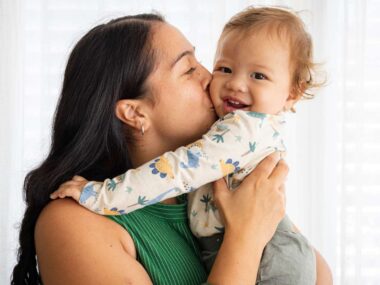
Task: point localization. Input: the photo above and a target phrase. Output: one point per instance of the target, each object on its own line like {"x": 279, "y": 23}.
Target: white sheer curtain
{"x": 333, "y": 188}
{"x": 11, "y": 131}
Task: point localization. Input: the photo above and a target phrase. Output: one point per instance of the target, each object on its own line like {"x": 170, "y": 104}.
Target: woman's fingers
{"x": 282, "y": 191}
{"x": 279, "y": 173}
{"x": 221, "y": 195}
{"x": 266, "y": 166}
{"x": 263, "y": 169}
{"x": 220, "y": 190}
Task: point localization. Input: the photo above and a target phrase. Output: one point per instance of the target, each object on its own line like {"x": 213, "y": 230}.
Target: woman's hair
{"x": 111, "y": 62}
{"x": 286, "y": 25}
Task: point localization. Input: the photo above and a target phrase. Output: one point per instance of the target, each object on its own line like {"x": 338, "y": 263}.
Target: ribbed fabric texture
{"x": 164, "y": 243}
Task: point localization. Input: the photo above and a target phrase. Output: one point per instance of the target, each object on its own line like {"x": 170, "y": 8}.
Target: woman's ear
{"x": 133, "y": 114}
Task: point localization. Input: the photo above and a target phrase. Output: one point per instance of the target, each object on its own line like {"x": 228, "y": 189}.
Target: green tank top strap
{"x": 164, "y": 243}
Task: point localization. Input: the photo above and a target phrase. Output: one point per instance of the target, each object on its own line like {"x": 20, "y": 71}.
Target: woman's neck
{"x": 140, "y": 154}
{"x": 149, "y": 147}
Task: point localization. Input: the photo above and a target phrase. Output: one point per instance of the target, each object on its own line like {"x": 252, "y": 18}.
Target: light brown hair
{"x": 287, "y": 25}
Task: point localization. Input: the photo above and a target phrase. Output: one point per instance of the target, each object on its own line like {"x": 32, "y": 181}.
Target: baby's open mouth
{"x": 229, "y": 105}
{"x": 235, "y": 104}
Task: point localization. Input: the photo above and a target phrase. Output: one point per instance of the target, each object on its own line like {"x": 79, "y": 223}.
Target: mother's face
{"x": 179, "y": 85}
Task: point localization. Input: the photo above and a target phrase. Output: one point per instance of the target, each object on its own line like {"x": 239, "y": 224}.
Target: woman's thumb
{"x": 220, "y": 190}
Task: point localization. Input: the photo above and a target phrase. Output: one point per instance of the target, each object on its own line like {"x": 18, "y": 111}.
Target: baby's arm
{"x": 229, "y": 145}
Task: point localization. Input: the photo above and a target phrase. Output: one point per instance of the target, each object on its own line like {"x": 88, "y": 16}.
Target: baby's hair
{"x": 288, "y": 26}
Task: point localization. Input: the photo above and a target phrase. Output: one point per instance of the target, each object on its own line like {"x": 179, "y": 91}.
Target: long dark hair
{"x": 111, "y": 62}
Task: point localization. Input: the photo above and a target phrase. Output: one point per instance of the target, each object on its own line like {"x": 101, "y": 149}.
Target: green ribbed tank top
{"x": 164, "y": 244}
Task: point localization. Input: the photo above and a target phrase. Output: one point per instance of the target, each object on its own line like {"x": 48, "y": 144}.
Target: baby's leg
{"x": 209, "y": 249}
{"x": 288, "y": 258}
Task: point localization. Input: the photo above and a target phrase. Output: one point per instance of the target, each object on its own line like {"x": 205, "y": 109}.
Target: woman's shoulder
{"x": 69, "y": 238}
{"x": 62, "y": 210}
{"x": 64, "y": 215}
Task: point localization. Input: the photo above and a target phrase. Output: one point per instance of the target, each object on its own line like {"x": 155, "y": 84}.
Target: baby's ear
{"x": 291, "y": 102}
{"x": 294, "y": 96}
{"x": 299, "y": 89}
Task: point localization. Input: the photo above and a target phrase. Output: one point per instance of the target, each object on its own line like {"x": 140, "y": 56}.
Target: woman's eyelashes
{"x": 191, "y": 70}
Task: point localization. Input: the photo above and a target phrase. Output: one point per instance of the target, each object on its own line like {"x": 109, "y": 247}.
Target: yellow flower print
{"x": 161, "y": 166}
{"x": 229, "y": 166}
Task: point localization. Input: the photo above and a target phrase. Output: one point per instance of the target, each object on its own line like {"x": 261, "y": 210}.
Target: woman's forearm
{"x": 237, "y": 261}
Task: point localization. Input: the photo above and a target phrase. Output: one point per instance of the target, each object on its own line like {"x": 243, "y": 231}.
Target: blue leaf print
{"x": 87, "y": 192}
{"x": 193, "y": 159}
{"x": 218, "y": 138}
{"x": 252, "y": 148}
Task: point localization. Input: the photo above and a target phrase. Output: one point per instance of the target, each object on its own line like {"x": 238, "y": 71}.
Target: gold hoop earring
{"x": 142, "y": 128}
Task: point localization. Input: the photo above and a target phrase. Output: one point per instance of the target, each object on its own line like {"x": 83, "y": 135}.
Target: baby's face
{"x": 252, "y": 72}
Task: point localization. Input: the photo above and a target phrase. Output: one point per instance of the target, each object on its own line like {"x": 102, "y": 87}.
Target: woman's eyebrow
{"x": 181, "y": 55}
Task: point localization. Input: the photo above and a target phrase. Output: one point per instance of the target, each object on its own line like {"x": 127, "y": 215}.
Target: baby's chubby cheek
{"x": 216, "y": 99}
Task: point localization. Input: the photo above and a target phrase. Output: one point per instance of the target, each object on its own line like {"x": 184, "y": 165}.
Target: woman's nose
{"x": 237, "y": 84}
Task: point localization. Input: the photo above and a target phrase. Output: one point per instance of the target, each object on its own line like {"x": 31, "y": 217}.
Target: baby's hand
{"x": 72, "y": 188}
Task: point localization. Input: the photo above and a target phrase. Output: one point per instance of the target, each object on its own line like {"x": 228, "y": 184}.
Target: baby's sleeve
{"x": 229, "y": 145}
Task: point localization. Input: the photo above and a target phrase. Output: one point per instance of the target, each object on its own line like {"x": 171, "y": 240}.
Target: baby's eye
{"x": 224, "y": 69}
{"x": 258, "y": 76}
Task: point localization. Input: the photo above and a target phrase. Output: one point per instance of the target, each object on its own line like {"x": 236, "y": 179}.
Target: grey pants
{"x": 288, "y": 258}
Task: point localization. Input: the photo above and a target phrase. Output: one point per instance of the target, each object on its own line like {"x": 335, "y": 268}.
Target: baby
{"x": 263, "y": 66}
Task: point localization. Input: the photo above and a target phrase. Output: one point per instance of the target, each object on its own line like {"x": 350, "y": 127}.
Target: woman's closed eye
{"x": 258, "y": 76}
{"x": 191, "y": 70}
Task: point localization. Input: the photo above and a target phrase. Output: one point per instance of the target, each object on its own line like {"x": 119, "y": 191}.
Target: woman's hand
{"x": 72, "y": 188}
{"x": 258, "y": 205}
{"x": 251, "y": 215}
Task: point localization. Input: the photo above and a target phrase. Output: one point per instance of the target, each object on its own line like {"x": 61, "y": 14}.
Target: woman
{"x": 133, "y": 89}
